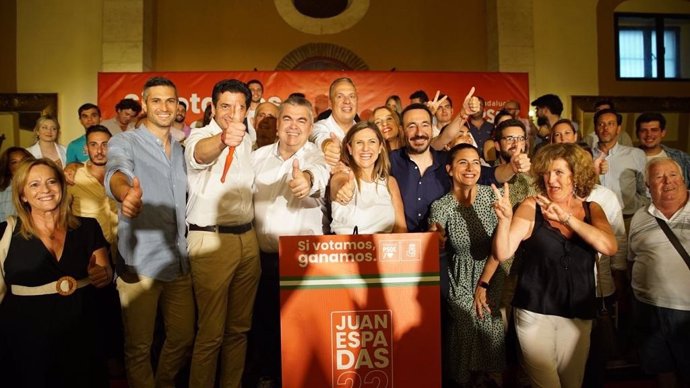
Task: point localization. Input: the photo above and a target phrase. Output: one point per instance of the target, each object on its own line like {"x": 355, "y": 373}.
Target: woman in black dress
{"x": 47, "y": 325}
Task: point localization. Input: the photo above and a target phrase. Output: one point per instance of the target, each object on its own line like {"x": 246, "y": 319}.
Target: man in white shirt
{"x": 625, "y": 164}
{"x": 329, "y": 132}
{"x": 126, "y": 113}
{"x": 661, "y": 277}
{"x": 223, "y": 250}
{"x": 291, "y": 179}
{"x": 257, "y": 90}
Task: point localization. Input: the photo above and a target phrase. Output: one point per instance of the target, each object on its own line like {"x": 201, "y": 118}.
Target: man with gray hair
{"x": 661, "y": 274}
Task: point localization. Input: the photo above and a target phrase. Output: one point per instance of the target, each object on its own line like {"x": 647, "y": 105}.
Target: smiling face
{"x": 563, "y": 133}
{"x": 42, "y": 190}
{"x": 418, "y": 131}
{"x": 444, "y": 113}
{"x": 257, "y": 92}
{"x": 294, "y": 127}
{"x": 344, "y": 102}
{"x": 365, "y": 148}
{"x": 160, "y": 106}
{"x": 230, "y": 106}
{"x": 48, "y": 131}
{"x": 465, "y": 168}
{"x": 512, "y": 142}
{"x": 651, "y": 135}
{"x": 558, "y": 180}
{"x": 666, "y": 184}
{"x": 386, "y": 123}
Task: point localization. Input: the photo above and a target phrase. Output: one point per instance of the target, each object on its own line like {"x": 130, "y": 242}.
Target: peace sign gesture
{"x": 435, "y": 103}
{"x": 502, "y": 206}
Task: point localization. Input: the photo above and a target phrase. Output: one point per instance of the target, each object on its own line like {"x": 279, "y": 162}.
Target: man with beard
{"x": 328, "y": 133}
{"x": 510, "y": 139}
{"x": 420, "y": 170}
{"x": 650, "y": 128}
{"x": 265, "y": 123}
{"x": 180, "y": 130}
{"x": 548, "y": 110}
{"x": 90, "y": 200}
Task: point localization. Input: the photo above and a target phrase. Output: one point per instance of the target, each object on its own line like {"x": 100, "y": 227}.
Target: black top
{"x": 556, "y": 275}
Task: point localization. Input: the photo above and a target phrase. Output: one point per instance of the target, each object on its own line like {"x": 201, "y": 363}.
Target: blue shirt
{"x": 152, "y": 244}
{"x": 418, "y": 192}
{"x": 481, "y": 134}
{"x": 76, "y": 150}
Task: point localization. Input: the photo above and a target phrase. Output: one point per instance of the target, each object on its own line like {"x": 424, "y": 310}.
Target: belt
{"x": 64, "y": 286}
{"x": 238, "y": 229}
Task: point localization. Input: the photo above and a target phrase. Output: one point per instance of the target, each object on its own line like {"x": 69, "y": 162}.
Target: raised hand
{"x": 601, "y": 165}
{"x": 552, "y": 211}
{"x": 502, "y": 206}
{"x": 233, "y": 127}
{"x": 435, "y": 103}
{"x": 520, "y": 162}
{"x": 331, "y": 150}
{"x": 98, "y": 275}
{"x": 70, "y": 171}
{"x": 301, "y": 181}
{"x": 347, "y": 191}
{"x": 131, "y": 203}
{"x": 471, "y": 104}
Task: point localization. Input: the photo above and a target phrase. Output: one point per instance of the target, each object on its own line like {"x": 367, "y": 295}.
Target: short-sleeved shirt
{"x": 76, "y": 150}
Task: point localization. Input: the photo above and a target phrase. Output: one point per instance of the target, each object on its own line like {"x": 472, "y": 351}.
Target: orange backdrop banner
{"x": 373, "y": 87}
{"x": 360, "y": 311}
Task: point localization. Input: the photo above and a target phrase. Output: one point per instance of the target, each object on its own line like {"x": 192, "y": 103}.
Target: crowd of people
{"x": 155, "y": 242}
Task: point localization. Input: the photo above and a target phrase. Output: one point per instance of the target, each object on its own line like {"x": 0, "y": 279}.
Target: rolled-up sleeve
{"x": 119, "y": 159}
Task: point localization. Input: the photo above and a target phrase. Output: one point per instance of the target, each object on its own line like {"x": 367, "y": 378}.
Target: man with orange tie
{"x": 223, "y": 250}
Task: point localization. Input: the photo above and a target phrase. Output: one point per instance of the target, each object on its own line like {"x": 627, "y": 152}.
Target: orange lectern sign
{"x": 360, "y": 311}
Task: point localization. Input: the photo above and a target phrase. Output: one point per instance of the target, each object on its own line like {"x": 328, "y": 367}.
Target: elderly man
{"x": 661, "y": 275}
{"x": 264, "y": 122}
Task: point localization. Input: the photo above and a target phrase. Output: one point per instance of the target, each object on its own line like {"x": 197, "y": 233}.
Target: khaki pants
{"x": 140, "y": 299}
{"x": 225, "y": 272}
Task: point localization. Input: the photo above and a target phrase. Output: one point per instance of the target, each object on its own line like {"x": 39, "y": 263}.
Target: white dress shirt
{"x": 277, "y": 211}
{"x": 323, "y": 128}
{"x": 625, "y": 176}
{"x": 609, "y": 204}
{"x": 211, "y": 202}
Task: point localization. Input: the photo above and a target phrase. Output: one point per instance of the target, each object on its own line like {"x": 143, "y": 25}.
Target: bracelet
{"x": 566, "y": 222}
{"x": 483, "y": 284}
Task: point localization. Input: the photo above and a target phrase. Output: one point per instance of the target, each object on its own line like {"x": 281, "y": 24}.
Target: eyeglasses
{"x": 513, "y": 139}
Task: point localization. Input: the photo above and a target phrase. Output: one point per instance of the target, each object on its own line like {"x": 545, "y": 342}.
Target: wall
{"x": 565, "y": 50}
{"x": 243, "y": 35}
{"x": 59, "y": 50}
{"x": 8, "y": 46}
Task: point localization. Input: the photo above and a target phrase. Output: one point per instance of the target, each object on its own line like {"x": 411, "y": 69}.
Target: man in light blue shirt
{"x": 146, "y": 174}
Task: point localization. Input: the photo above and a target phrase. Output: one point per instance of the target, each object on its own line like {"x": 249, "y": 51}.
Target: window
{"x": 639, "y": 37}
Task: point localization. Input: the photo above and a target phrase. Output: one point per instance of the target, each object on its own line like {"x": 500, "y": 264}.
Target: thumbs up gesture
{"x": 99, "y": 275}
{"x": 601, "y": 165}
{"x": 471, "y": 104}
{"x": 131, "y": 203}
{"x": 331, "y": 150}
{"x": 300, "y": 185}
{"x": 520, "y": 162}
{"x": 347, "y": 190}
{"x": 233, "y": 126}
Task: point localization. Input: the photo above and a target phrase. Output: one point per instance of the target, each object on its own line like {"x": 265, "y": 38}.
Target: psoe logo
{"x": 362, "y": 347}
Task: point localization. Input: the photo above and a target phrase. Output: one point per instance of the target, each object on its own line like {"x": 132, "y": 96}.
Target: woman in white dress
{"x": 366, "y": 197}
{"x": 47, "y": 131}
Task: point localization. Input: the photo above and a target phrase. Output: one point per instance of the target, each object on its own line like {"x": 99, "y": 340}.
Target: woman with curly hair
{"x": 557, "y": 236}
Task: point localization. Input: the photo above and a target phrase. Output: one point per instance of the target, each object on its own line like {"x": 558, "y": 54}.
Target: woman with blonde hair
{"x": 388, "y": 122}
{"x": 366, "y": 197}
{"x": 558, "y": 235}
{"x": 47, "y": 132}
{"x": 48, "y": 325}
